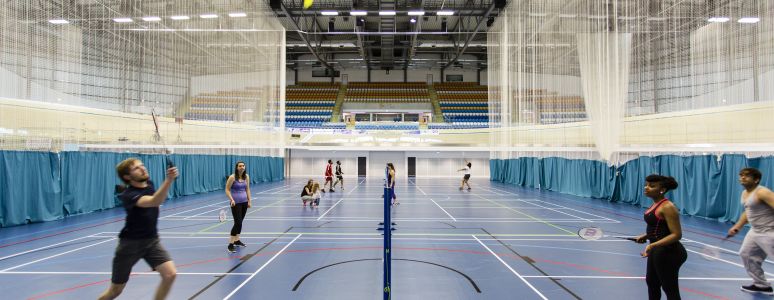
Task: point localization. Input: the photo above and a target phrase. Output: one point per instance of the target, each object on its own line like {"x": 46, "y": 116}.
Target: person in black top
{"x": 665, "y": 253}
{"x": 139, "y": 238}
{"x": 339, "y": 175}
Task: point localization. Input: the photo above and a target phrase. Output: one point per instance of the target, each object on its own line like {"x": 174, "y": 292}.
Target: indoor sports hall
{"x": 393, "y": 149}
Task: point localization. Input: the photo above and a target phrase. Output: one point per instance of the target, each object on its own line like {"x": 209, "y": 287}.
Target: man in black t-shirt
{"x": 139, "y": 238}
{"x": 339, "y": 176}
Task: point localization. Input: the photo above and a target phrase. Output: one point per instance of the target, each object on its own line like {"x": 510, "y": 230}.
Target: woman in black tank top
{"x": 664, "y": 252}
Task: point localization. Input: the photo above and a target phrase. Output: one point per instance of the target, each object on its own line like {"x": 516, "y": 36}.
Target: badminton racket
{"x": 222, "y": 215}
{"x": 596, "y": 233}
{"x": 170, "y": 164}
{"x": 712, "y": 252}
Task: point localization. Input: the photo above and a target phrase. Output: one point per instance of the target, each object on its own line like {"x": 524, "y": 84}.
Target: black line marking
{"x": 448, "y": 224}
{"x": 321, "y": 225}
{"x": 473, "y": 283}
{"x": 243, "y": 260}
{"x": 532, "y": 263}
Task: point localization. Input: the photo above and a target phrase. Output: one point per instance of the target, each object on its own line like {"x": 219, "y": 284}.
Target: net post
{"x": 387, "y": 260}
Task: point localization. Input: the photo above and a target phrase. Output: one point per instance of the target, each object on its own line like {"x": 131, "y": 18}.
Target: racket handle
{"x": 170, "y": 164}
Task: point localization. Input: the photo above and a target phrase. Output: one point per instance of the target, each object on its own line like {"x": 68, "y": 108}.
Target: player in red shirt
{"x": 328, "y": 176}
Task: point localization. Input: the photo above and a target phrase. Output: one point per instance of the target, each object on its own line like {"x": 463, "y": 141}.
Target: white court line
{"x": 447, "y": 213}
{"x": 55, "y": 255}
{"x": 337, "y": 203}
{"x": 420, "y": 189}
{"x": 45, "y": 247}
{"x": 642, "y": 277}
{"x": 185, "y": 211}
{"x": 723, "y": 260}
{"x": 561, "y": 206}
{"x": 108, "y": 273}
{"x": 491, "y": 191}
{"x": 719, "y": 248}
{"x": 279, "y": 187}
{"x": 561, "y": 212}
{"x": 261, "y": 268}
{"x": 199, "y": 214}
{"x": 509, "y": 268}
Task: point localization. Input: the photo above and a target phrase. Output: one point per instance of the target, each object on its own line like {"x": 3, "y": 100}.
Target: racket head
{"x": 222, "y": 215}
{"x": 156, "y": 124}
{"x": 710, "y": 252}
{"x": 590, "y": 233}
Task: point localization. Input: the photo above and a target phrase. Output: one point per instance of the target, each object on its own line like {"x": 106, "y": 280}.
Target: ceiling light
{"x": 151, "y": 19}
{"x": 358, "y": 13}
{"x": 59, "y": 21}
{"x": 567, "y": 15}
{"x": 179, "y": 17}
{"x": 413, "y": 20}
{"x": 123, "y": 20}
{"x": 416, "y": 13}
{"x": 387, "y": 13}
{"x": 208, "y": 16}
{"x": 237, "y": 15}
{"x": 444, "y": 13}
{"x": 329, "y": 13}
{"x": 749, "y": 20}
{"x": 718, "y": 19}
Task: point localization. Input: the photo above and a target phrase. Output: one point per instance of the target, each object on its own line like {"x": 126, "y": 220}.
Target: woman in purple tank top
{"x": 238, "y": 192}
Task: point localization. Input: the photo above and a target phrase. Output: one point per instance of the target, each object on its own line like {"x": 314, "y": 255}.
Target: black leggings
{"x": 239, "y": 211}
{"x": 663, "y": 268}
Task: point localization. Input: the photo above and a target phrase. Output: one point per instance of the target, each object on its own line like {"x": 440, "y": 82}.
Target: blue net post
{"x": 387, "y": 243}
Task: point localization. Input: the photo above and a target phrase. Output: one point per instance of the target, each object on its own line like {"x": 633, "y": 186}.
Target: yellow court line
{"x": 529, "y": 216}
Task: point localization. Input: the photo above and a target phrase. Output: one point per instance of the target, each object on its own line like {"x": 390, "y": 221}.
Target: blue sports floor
{"x": 494, "y": 242}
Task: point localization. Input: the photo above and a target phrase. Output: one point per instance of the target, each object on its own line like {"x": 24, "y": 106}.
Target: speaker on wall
{"x": 500, "y": 3}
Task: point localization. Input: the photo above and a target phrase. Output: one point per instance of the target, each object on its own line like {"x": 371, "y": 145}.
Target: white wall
{"x": 311, "y": 164}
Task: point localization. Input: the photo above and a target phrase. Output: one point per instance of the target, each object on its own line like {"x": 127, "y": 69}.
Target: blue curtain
{"x": 708, "y": 185}
{"x": 34, "y": 191}
{"x": 30, "y": 187}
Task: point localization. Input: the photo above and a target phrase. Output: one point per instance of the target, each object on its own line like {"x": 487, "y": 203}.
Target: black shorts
{"x": 467, "y": 176}
{"x": 339, "y": 177}
{"x": 129, "y": 251}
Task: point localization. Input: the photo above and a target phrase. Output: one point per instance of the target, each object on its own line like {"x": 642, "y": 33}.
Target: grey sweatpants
{"x": 755, "y": 248}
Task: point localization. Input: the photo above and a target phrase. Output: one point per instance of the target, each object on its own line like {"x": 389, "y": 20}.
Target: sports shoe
{"x": 231, "y": 248}
{"x": 239, "y": 243}
{"x": 332, "y": 190}
{"x": 755, "y": 289}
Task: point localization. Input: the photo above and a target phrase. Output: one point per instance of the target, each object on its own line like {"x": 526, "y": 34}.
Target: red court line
{"x": 40, "y": 296}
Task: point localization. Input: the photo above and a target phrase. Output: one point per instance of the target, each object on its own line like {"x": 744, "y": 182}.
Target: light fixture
{"x": 567, "y": 15}
{"x": 59, "y": 21}
{"x": 123, "y": 20}
{"x": 151, "y": 19}
{"x": 387, "y": 13}
{"x": 237, "y": 15}
{"x": 718, "y": 19}
{"x": 749, "y": 20}
{"x": 179, "y": 17}
{"x": 329, "y": 13}
{"x": 416, "y": 13}
{"x": 444, "y": 13}
{"x": 208, "y": 16}
{"x": 358, "y": 13}
{"x": 413, "y": 20}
